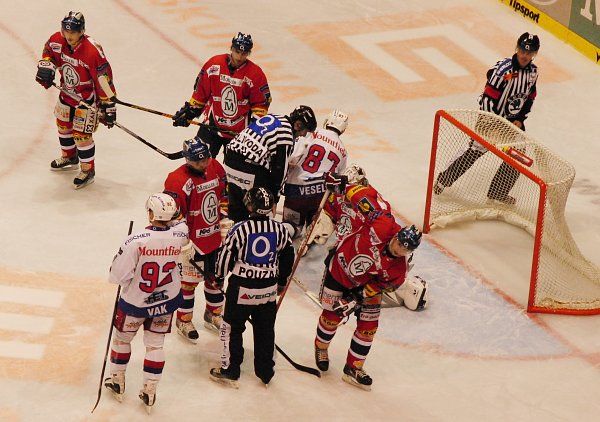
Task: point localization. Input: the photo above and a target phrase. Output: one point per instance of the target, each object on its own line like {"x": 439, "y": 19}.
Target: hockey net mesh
{"x": 562, "y": 279}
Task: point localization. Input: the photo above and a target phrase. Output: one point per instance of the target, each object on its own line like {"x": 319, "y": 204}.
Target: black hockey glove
{"x": 185, "y": 114}
{"x": 45, "y": 73}
{"x": 108, "y": 113}
{"x": 335, "y": 183}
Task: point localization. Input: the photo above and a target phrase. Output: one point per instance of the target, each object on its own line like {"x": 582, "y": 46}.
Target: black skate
{"x": 148, "y": 394}
{"x": 64, "y": 163}
{"x": 357, "y": 377}
{"x": 116, "y": 385}
{"x": 506, "y": 200}
{"x": 222, "y": 376}
{"x": 321, "y": 358}
{"x": 84, "y": 178}
{"x": 187, "y": 330}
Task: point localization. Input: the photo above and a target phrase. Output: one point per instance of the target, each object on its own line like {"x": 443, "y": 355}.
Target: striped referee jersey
{"x": 510, "y": 90}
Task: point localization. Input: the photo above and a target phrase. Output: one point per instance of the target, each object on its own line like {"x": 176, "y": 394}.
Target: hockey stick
{"x": 303, "y": 245}
{"x": 170, "y": 156}
{"x": 170, "y": 116}
{"x": 307, "y": 292}
{"x": 110, "y": 335}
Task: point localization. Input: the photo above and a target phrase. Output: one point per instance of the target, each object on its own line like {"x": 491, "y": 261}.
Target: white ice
{"x": 474, "y": 354}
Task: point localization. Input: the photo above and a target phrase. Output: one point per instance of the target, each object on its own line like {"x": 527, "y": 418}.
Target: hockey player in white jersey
{"x": 314, "y": 154}
{"x": 146, "y": 267}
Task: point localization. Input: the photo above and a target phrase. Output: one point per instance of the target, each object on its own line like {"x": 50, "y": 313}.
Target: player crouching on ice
{"x": 146, "y": 267}
{"x": 371, "y": 260}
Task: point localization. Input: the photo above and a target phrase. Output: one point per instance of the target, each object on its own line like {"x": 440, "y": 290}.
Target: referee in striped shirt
{"x": 259, "y": 155}
{"x": 258, "y": 257}
{"x": 509, "y": 92}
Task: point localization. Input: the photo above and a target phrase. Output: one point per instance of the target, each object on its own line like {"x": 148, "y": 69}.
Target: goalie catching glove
{"x": 45, "y": 73}
{"x": 186, "y": 114}
{"x": 335, "y": 183}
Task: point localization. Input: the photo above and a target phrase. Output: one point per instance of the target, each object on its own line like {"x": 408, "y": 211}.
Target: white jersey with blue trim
{"x": 147, "y": 267}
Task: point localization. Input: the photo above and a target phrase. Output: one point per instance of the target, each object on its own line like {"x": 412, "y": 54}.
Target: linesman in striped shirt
{"x": 258, "y": 257}
{"x": 509, "y": 92}
{"x": 259, "y": 156}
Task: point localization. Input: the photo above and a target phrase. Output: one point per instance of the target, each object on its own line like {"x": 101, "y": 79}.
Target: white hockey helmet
{"x": 337, "y": 120}
{"x": 356, "y": 175}
{"x": 163, "y": 206}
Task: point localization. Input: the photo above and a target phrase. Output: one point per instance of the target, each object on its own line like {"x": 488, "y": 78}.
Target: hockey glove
{"x": 335, "y": 183}
{"x": 45, "y": 73}
{"x": 108, "y": 113}
{"x": 185, "y": 114}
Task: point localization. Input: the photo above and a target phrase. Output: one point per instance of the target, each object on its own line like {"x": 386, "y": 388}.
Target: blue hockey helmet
{"x": 410, "y": 237}
{"x": 73, "y": 21}
{"x": 195, "y": 149}
{"x": 529, "y": 42}
{"x": 242, "y": 42}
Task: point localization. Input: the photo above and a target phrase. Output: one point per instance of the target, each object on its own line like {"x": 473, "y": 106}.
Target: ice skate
{"x": 148, "y": 394}
{"x": 212, "y": 321}
{"x": 187, "y": 330}
{"x": 321, "y": 358}
{"x": 84, "y": 178}
{"x": 221, "y": 375}
{"x": 64, "y": 163}
{"x": 116, "y": 384}
{"x": 357, "y": 377}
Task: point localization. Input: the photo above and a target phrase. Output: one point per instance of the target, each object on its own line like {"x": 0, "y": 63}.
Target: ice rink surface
{"x": 474, "y": 354}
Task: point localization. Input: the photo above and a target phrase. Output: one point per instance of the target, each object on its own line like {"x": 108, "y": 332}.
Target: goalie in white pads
{"x": 314, "y": 154}
{"x": 146, "y": 267}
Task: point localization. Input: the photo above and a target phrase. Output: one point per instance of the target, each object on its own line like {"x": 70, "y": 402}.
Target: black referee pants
{"x": 262, "y": 318}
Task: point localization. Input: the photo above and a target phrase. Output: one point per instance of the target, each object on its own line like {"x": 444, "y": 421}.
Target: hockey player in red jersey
{"x": 371, "y": 260}
{"x": 146, "y": 269}
{"x": 84, "y": 71}
{"x": 198, "y": 186}
{"x": 230, "y": 90}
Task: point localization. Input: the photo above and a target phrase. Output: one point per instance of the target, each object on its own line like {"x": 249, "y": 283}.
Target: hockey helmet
{"x": 242, "y": 42}
{"x": 337, "y": 120}
{"x": 74, "y": 21}
{"x": 409, "y": 237}
{"x": 306, "y": 116}
{"x": 195, "y": 149}
{"x": 259, "y": 201}
{"x": 356, "y": 175}
{"x": 529, "y": 42}
{"x": 163, "y": 206}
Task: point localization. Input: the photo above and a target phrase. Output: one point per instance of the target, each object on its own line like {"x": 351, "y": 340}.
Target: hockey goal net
{"x": 484, "y": 167}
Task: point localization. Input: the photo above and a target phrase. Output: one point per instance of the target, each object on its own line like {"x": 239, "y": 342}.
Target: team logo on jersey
{"x": 210, "y": 207}
{"x": 229, "y": 103}
{"x": 359, "y": 265}
{"x": 213, "y": 70}
{"x": 515, "y": 103}
{"x": 189, "y": 185}
{"x": 56, "y": 47}
{"x": 344, "y": 226}
{"x": 70, "y": 76}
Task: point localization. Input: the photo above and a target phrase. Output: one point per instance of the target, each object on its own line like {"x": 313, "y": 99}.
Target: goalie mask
{"x": 163, "y": 206}
{"x": 356, "y": 175}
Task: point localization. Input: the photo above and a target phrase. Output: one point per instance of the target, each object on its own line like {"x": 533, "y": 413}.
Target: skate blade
{"x": 227, "y": 382}
{"x": 210, "y": 327}
{"x": 352, "y": 381}
{"x": 193, "y": 341}
{"x": 117, "y": 396}
{"x": 66, "y": 168}
{"x": 148, "y": 409}
{"x": 83, "y": 185}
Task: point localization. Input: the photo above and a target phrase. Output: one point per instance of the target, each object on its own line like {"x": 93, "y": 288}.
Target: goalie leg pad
{"x": 413, "y": 293}
{"x": 322, "y": 230}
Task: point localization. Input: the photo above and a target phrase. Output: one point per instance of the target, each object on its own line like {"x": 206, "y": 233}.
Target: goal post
{"x": 484, "y": 167}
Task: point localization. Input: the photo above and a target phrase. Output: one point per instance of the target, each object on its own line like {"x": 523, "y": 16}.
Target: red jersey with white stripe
{"x": 351, "y": 210}
{"x": 362, "y": 258}
{"x": 146, "y": 267}
{"x": 79, "y": 67}
{"x": 198, "y": 197}
{"x": 232, "y": 95}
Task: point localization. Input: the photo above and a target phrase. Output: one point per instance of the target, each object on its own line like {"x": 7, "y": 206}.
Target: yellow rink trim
{"x": 562, "y": 32}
